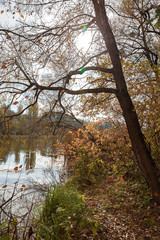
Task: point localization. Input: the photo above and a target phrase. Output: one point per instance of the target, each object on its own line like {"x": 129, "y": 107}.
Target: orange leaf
{"x": 3, "y": 67}
{"x": 156, "y": 194}
{"x": 21, "y": 189}
{"x": 15, "y": 103}
{"x": 121, "y": 179}
{"x": 20, "y": 166}
{"x": 58, "y": 61}
{"x": 19, "y": 10}
{"x": 47, "y": 51}
{"x": 22, "y": 16}
{"x": 4, "y": 186}
{"x": 26, "y": 189}
{"x": 68, "y": 37}
{"x": 17, "y": 75}
{"x": 16, "y": 168}
{"x": 61, "y": 57}
{"x": 15, "y": 182}
{"x": 2, "y": 11}
{"x": 18, "y": 92}
{"x": 23, "y": 185}
{"x": 62, "y": 91}
{"x": 54, "y": 51}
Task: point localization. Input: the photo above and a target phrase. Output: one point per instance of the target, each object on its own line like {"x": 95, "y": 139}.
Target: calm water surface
{"x": 38, "y": 167}
{"x": 34, "y": 157}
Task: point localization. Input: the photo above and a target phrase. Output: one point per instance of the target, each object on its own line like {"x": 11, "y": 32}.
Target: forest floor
{"x": 123, "y": 211}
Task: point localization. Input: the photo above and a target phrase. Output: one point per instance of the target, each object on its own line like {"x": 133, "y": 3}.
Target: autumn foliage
{"x": 93, "y": 153}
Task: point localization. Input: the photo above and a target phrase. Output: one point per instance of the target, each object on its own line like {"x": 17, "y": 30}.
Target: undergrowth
{"x": 64, "y": 215}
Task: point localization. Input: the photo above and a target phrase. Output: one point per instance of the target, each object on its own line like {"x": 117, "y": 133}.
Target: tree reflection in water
{"x": 15, "y": 146}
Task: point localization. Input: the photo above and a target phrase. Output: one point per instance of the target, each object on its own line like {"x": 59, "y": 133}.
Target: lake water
{"x": 32, "y": 158}
{"x": 28, "y": 166}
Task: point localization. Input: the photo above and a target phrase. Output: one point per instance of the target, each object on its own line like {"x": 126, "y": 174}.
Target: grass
{"x": 64, "y": 215}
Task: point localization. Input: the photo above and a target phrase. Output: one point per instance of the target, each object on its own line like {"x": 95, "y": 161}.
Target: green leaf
{"x": 83, "y": 70}
{"x": 4, "y": 225}
{"x": 151, "y": 20}
{"x": 157, "y": 11}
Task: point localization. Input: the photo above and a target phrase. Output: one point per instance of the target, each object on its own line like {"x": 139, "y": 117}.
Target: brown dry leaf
{"x": 3, "y": 67}
{"x": 15, "y": 103}
{"x": 8, "y": 37}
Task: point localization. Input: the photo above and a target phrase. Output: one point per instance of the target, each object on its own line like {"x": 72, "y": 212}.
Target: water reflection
{"x": 29, "y": 147}
{"x": 34, "y": 154}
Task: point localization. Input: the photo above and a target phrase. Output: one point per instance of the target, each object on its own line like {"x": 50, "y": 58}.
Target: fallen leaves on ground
{"x": 122, "y": 214}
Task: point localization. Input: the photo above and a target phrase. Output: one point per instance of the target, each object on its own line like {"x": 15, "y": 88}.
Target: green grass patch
{"x": 64, "y": 215}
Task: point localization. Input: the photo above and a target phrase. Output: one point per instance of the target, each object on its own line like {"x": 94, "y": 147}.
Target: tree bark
{"x": 141, "y": 151}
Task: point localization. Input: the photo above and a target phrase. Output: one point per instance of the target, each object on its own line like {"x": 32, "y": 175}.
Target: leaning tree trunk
{"x": 141, "y": 151}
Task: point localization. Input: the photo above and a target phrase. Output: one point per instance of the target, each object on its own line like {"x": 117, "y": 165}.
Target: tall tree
{"x": 48, "y": 43}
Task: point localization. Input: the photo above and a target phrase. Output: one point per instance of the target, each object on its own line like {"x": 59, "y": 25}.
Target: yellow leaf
{"x": 74, "y": 79}
{"x": 2, "y": 11}
{"x": 68, "y": 37}
{"x": 22, "y": 16}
